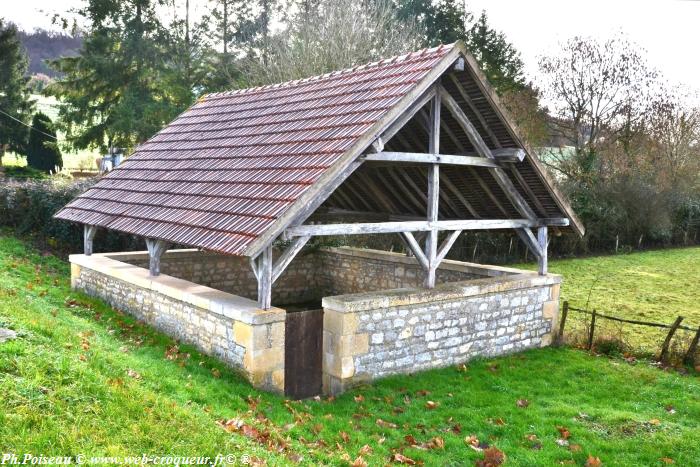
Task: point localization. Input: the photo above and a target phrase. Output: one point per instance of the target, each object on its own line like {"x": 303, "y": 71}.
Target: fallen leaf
{"x": 666, "y": 460}
{"x": 216, "y": 373}
{"x": 522, "y": 403}
{"x": 531, "y": 437}
{"x": 133, "y": 374}
{"x": 593, "y": 461}
{"x": 385, "y": 424}
{"x": 492, "y": 457}
{"x": 366, "y": 449}
{"x": 670, "y": 409}
{"x": 359, "y": 398}
{"x": 498, "y": 421}
{"x": 359, "y": 462}
{"x": 655, "y": 422}
{"x": 575, "y": 448}
{"x": 565, "y": 433}
{"x": 401, "y": 459}
{"x": 345, "y": 437}
{"x": 411, "y": 440}
{"x": 562, "y": 442}
{"x": 430, "y": 405}
{"x": 437, "y": 443}
{"x": 422, "y": 392}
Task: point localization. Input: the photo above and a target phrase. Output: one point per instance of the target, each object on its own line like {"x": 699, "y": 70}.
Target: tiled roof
{"x": 222, "y": 172}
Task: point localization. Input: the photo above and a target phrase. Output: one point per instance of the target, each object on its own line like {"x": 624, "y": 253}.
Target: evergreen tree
{"x": 42, "y": 150}
{"x": 116, "y": 93}
{"x": 498, "y": 58}
{"x": 15, "y": 105}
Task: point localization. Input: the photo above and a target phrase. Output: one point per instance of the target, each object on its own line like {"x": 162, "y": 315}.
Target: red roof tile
{"x": 222, "y": 172}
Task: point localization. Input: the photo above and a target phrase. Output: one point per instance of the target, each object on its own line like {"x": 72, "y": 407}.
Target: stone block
{"x": 243, "y": 334}
{"x": 340, "y": 323}
{"x": 550, "y": 309}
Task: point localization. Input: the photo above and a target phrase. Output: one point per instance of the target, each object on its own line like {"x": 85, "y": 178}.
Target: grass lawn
{"x": 86, "y": 379}
{"x": 653, "y": 286}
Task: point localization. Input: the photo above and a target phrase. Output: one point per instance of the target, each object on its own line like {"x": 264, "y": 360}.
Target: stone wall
{"x": 371, "y": 335}
{"x": 355, "y": 270}
{"x": 233, "y": 274}
{"x": 228, "y": 327}
{"x": 312, "y": 274}
{"x": 392, "y": 326}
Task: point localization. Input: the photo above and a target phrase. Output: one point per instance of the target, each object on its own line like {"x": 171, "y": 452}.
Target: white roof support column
{"x": 264, "y": 275}
{"x": 433, "y": 192}
{"x": 543, "y": 241}
{"x": 89, "y": 232}
{"x": 156, "y": 248}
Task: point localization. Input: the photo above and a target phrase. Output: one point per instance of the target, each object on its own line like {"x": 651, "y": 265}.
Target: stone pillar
{"x": 550, "y": 311}
{"x": 263, "y": 361}
{"x": 341, "y": 343}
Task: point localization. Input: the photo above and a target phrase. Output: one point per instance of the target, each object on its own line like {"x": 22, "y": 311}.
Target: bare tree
{"x": 598, "y": 92}
{"x": 332, "y": 35}
{"x": 673, "y": 126}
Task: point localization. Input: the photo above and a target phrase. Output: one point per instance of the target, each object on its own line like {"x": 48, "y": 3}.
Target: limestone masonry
{"x": 377, "y": 320}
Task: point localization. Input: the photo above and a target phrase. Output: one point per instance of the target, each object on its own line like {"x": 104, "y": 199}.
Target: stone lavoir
{"x": 380, "y": 323}
{"x": 232, "y": 196}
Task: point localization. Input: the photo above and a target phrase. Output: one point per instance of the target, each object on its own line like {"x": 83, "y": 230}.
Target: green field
{"x": 72, "y": 160}
{"x": 652, "y": 286}
{"x": 86, "y": 379}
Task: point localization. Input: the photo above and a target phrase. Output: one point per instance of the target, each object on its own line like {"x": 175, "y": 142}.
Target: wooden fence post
{"x": 562, "y": 322}
{"x": 689, "y": 358}
{"x": 592, "y": 330}
{"x": 664, "y": 350}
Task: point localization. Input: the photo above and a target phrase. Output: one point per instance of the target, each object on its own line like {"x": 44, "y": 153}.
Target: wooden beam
{"x": 265, "y": 278}
{"x": 416, "y": 249}
{"x": 405, "y": 189}
{"x": 424, "y": 158}
{"x": 446, "y": 245}
{"x": 508, "y": 154}
{"x": 499, "y": 174}
{"x": 421, "y": 226}
{"x": 89, "y": 232}
{"x": 156, "y": 248}
{"x": 473, "y": 108}
{"x": 287, "y": 256}
{"x": 542, "y": 241}
{"x": 458, "y": 194}
{"x": 530, "y": 241}
{"x": 433, "y": 191}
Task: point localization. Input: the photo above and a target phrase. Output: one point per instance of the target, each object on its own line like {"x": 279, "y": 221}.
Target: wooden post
{"x": 591, "y": 331}
{"x": 433, "y": 192}
{"x": 542, "y": 242}
{"x": 156, "y": 248}
{"x": 265, "y": 278}
{"x": 562, "y": 322}
{"x": 689, "y": 358}
{"x": 89, "y": 232}
{"x": 663, "y": 357}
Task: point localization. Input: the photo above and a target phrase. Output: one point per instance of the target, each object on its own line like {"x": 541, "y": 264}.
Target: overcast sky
{"x": 669, "y": 30}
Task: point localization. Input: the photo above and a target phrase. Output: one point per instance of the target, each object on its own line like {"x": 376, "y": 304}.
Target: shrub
{"x": 42, "y": 151}
{"x": 27, "y": 207}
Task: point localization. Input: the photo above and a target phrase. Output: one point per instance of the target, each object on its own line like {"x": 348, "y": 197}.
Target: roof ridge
{"x": 377, "y": 63}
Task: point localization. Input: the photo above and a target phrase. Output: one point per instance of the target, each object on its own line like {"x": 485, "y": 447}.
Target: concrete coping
{"x": 352, "y": 303}
{"x": 215, "y": 301}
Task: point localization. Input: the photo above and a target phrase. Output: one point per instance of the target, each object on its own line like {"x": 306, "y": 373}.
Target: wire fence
{"x": 663, "y": 356}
